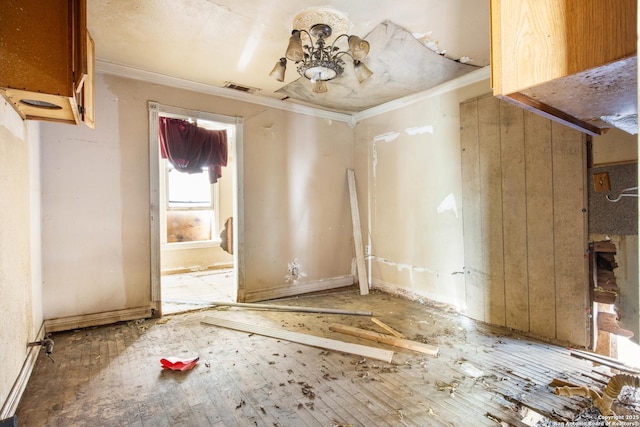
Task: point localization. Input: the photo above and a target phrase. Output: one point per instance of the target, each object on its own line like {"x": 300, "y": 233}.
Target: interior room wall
{"x": 298, "y": 234}
{"x": 96, "y": 237}
{"x": 407, "y": 165}
{"x": 614, "y": 146}
{"x": 20, "y": 297}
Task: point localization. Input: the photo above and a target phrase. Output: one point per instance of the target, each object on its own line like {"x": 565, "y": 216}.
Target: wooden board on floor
{"x": 314, "y": 341}
{"x": 386, "y": 339}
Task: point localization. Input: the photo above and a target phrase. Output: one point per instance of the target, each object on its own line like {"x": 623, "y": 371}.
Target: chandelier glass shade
{"x": 320, "y": 62}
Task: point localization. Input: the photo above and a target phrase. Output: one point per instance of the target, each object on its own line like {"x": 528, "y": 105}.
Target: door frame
{"x": 155, "y": 109}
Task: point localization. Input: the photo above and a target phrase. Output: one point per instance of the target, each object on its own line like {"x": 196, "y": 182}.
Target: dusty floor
{"x": 111, "y": 376}
{"x": 187, "y": 291}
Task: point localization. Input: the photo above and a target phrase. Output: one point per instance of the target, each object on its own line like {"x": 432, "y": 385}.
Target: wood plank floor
{"x": 111, "y": 375}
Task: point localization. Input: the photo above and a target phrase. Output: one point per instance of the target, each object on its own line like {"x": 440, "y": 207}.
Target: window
{"x": 189, "y": 203}
{"x": 190, "y": 206}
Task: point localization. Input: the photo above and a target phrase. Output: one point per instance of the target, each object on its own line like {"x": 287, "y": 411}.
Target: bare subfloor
{"x": 111, "y": 376}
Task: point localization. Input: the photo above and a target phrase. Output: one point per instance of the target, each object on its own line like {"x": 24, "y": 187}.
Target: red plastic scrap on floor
{"x": 177, "y": 364}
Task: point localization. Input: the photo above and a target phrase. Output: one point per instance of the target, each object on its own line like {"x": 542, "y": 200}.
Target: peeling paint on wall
{"x": 428, "y": 41}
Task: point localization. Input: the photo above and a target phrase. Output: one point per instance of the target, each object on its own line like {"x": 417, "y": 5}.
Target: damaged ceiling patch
{"x": 401, "y": 66}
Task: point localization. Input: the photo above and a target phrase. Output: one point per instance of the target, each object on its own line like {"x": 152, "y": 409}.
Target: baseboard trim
{"x": 299, "y": 289}
{"x": 10, "y": 405}
{"x": 410, "y": 295}
{"x": 96, "y": 319}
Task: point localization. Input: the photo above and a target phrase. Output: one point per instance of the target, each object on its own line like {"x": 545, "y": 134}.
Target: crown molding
{"x": 165, "y": 80}
{"x": 351, "y": 119}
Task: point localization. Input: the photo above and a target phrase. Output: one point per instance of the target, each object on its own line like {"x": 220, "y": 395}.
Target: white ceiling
{"x": 213, "y": 42}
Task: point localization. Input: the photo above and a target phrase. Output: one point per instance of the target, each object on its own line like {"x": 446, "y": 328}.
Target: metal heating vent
{"x": 241, "y": 88}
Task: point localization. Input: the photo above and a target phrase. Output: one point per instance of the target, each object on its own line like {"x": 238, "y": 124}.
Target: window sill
{"x": 178, "y": 246}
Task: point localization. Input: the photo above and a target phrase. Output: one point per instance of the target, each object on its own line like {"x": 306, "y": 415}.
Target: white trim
{"x": 351, "y": 119}
{"x": 155, "y": 109}
{"x": 162, "y": 79}
{"x": 154, "y": 199}
{"x": 199, "y": 244}
{"x": 13, "y": 399}
{"x": 95, "y": 319}
{"x": 238, "y": 212}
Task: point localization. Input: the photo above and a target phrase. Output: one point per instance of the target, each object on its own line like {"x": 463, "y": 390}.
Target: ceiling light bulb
{"x": 320, "y": 86}
{"x": 279, "y": 69}
{"x": 362, "y": 72}
{"x": 359, "y": 48}
{"x": 294, "y": 50}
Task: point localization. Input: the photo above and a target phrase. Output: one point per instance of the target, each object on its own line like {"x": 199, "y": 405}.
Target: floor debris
{"x": 387, "y": 328}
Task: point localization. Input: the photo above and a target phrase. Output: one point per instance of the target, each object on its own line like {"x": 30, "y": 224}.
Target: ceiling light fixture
{"x": 320, "y": 61}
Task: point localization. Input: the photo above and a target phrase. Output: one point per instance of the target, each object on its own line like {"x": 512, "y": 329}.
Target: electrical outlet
{"x": 367, "y": 249}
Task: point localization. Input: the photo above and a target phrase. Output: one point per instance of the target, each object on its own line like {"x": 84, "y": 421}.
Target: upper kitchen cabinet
{"x": 46, "y": 60}
{"x": 573, "y": 61}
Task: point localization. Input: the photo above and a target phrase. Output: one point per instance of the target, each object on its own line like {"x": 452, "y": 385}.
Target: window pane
{"x": 189, "y": 226}
{"x": 189, "y": 190}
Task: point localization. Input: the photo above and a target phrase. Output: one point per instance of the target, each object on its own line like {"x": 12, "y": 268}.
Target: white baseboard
{"x": 299, "y": 288}
{"x": 96, "y": 319}
{"x": 10, "y": 405}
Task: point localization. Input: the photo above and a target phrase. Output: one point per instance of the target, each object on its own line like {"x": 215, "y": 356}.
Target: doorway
{"x": 193, "y": 232}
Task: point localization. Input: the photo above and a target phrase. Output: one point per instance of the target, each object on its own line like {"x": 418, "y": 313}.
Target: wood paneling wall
{"x": 525, "y": 222}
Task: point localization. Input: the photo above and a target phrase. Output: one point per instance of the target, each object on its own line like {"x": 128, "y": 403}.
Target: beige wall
{"x": 407, "y": 166}
{"x": 20, "y": 299}
{"x": 178, "y": 260}
{"x": 96, "y": 238}
{"x": 296, "y": 203}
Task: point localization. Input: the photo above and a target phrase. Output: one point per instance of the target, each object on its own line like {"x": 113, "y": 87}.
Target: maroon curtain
{"x": 190, "y": 148}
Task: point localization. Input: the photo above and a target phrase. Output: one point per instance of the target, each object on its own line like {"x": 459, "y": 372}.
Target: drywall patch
{"x": 419, "y": 130}
{"x": 386, "y": 137}
{"x": 294, "y": 272}
{"x": 410, "y": 268}
{"x": 374, "y": 158}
